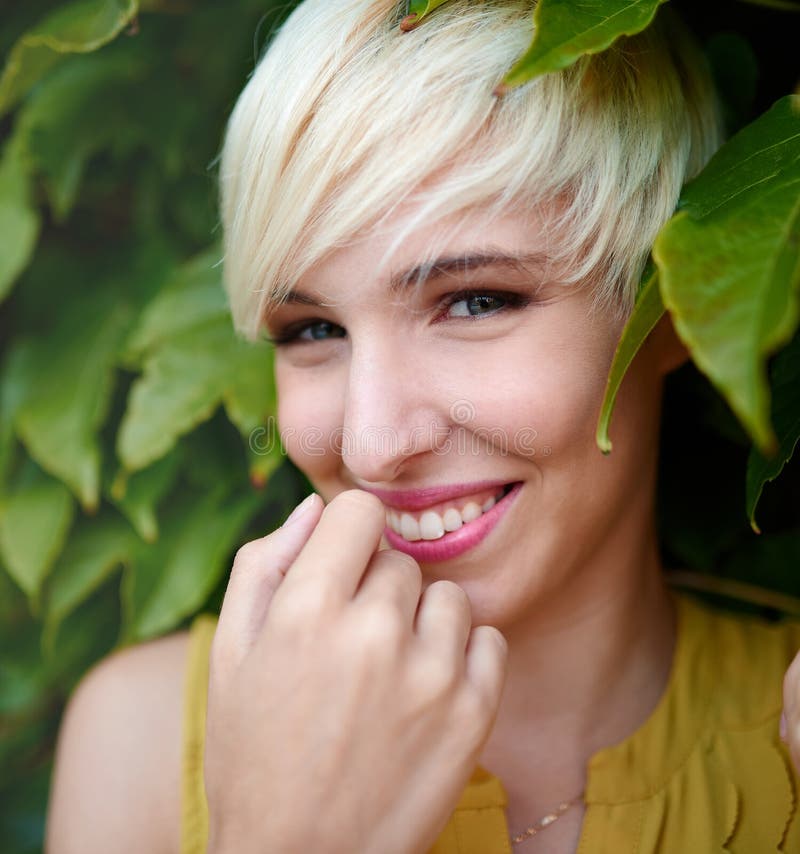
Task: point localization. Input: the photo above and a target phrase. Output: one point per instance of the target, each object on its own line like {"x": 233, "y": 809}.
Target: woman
{"x": 462, "y": 642}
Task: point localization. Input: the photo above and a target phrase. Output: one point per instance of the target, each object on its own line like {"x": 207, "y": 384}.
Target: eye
{"x": 475, "y": 304}
{"x": 307, "y": 331}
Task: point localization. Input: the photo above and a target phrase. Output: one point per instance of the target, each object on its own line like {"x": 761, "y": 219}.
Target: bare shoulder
{"x": 116, "y": 779}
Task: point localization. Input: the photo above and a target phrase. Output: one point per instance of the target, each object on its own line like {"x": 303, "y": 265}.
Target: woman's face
{"x": 402, "y": 390}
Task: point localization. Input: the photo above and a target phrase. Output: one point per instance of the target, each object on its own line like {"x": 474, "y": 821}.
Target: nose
{"x": 391, "y": 412}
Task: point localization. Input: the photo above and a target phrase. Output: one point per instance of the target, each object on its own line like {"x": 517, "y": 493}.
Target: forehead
{"x": 398, "y": 253}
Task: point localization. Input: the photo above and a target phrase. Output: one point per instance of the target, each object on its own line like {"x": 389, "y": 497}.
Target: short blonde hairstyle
{"x": 345, "y": 118}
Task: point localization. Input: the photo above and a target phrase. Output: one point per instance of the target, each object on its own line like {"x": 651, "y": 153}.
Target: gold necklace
{"x": 546, "y": 820}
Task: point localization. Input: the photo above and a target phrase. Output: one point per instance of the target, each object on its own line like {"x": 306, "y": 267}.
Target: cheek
{"x": 309, "y": 416}
{"x": 535, "y": 401}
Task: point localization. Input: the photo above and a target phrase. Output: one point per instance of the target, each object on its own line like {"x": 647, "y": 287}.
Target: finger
{"x": 258, "y": 570}
{"x": 394, "y": 577}
{"x": 444, "y": 618}
{"x": 486, "y": 665}
{"x": 334, "y": 559}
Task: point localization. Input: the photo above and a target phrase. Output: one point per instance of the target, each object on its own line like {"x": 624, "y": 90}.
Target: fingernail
{"x": 300, "y": 509}
{"x": 783, "y": 726}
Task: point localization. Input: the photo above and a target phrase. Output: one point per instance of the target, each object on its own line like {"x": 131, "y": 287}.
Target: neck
{"x": 583, "y": 673}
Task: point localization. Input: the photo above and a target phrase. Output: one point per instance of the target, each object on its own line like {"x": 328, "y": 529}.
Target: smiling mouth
{"x": 436, "y": 522}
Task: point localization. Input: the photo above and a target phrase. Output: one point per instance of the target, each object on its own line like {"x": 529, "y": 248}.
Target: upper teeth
{"x": 432, "y": 524}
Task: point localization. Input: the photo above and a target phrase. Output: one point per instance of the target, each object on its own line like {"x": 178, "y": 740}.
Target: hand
{"x": 346, "y": 712}
{"x": 790, "y": 719}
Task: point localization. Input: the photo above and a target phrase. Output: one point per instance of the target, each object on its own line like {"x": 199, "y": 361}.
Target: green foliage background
{"x": 135, "y": 444}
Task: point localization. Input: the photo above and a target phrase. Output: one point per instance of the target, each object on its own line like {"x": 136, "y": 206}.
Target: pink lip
{"x": 456, "y": 542}
{"x": 419, "y": 499}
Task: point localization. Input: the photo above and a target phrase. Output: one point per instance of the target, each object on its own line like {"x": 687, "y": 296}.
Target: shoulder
{"x": 118, "y": 760}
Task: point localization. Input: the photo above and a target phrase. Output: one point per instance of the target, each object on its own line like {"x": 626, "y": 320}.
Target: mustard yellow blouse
{"x": 705, "y": 773}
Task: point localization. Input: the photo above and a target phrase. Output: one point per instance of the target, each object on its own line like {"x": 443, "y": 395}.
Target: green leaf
{"x": 138, "y": 494}
{"x": 251, "y": 405}
{"x": 730, "y": 262}
{"x": 95, "y": 548}
{"x": 82, "y": 108}
{"x": 193, "y": 296}
{"x": 34, "y": 522}
{"x": 79, "y": 27}
{"x": 65, "y": 380}
{"x": 19, "y": 219}
{"x": 646, "y": 313}
{"x": 183, "y": 383}
{"x": 417, "y": 10}
{"x": 200, "y": 546}
{"x": 565, "y": 30}
{"x": 786, "y": 417}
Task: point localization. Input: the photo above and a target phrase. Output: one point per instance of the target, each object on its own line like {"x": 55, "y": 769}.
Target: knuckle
{"x": 246, "y": 554}
{"x": 450, "y": 593}
{"x": 404, "y": 563}
{"x": 301, "y": 608}
{"x": 382, "y": 627}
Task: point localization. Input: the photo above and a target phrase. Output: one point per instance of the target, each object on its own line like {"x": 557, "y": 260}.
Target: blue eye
{"x": 318, "y": 330}
{"x": 476, "y": 305}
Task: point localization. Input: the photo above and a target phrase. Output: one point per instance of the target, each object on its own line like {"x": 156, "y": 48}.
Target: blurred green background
{"x": 129, "y": 473}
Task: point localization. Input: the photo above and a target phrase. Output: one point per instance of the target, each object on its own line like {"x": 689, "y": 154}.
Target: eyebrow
{"x": 448, "y": 265}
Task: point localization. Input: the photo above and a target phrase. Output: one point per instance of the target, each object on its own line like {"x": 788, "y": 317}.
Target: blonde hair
{"x": 345, "y": 118}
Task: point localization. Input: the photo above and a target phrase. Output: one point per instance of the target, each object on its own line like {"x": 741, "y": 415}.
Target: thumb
{"x": 258, "y": 570}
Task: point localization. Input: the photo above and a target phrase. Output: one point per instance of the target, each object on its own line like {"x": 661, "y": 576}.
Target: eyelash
{"x": 513, "y": 301}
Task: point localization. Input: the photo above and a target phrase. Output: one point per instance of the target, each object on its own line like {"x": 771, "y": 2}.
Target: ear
{"x": 669, "y": 352}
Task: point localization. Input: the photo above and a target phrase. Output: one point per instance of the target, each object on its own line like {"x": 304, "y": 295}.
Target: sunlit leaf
{"x": 417, "y": 10}
{"x": 646, "y": 313}
{"x": 786, "y": 418}
{"x": 565, "y": 30}
{"x": 251, "y": 405}
{"x": 183, "y": 383}
{"x": 77, "y": 27}
{"x": 19, "y": 219}
{"x": 34, "y": 521}
{"x": 730, "y": 262}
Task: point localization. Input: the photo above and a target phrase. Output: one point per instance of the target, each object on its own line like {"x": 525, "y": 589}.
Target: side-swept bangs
{"x": 346, "y": 118}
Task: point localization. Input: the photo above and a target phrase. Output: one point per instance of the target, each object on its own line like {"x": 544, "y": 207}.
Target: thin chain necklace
{"x": 546, "y": 820}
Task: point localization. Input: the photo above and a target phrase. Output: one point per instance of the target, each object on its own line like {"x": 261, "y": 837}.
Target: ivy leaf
{"x": 183, "y": 383}
{"x": 137, "y": 495}
{"x": 417, "y": 10}
{"x": 79, "y": 27}
{"x": 93, "y": 551}
{"x": 65, "y": 380}
{"x": 565, "y": 30}
{"x": 786, "y": 416}
{"x": 645, "y": 315}
{"x": 182, "y": 575}
{"x": 194, "y": 295}
{"x": 34, "y": 522}
{"x": 730, "y": 262}
{"x": 82, "y": 108}
{"x": 250, "y": 403}
{"x": 19, "y": 219}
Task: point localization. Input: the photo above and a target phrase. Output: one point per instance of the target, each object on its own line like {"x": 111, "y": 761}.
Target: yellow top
{"x": 706, "y": 772}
